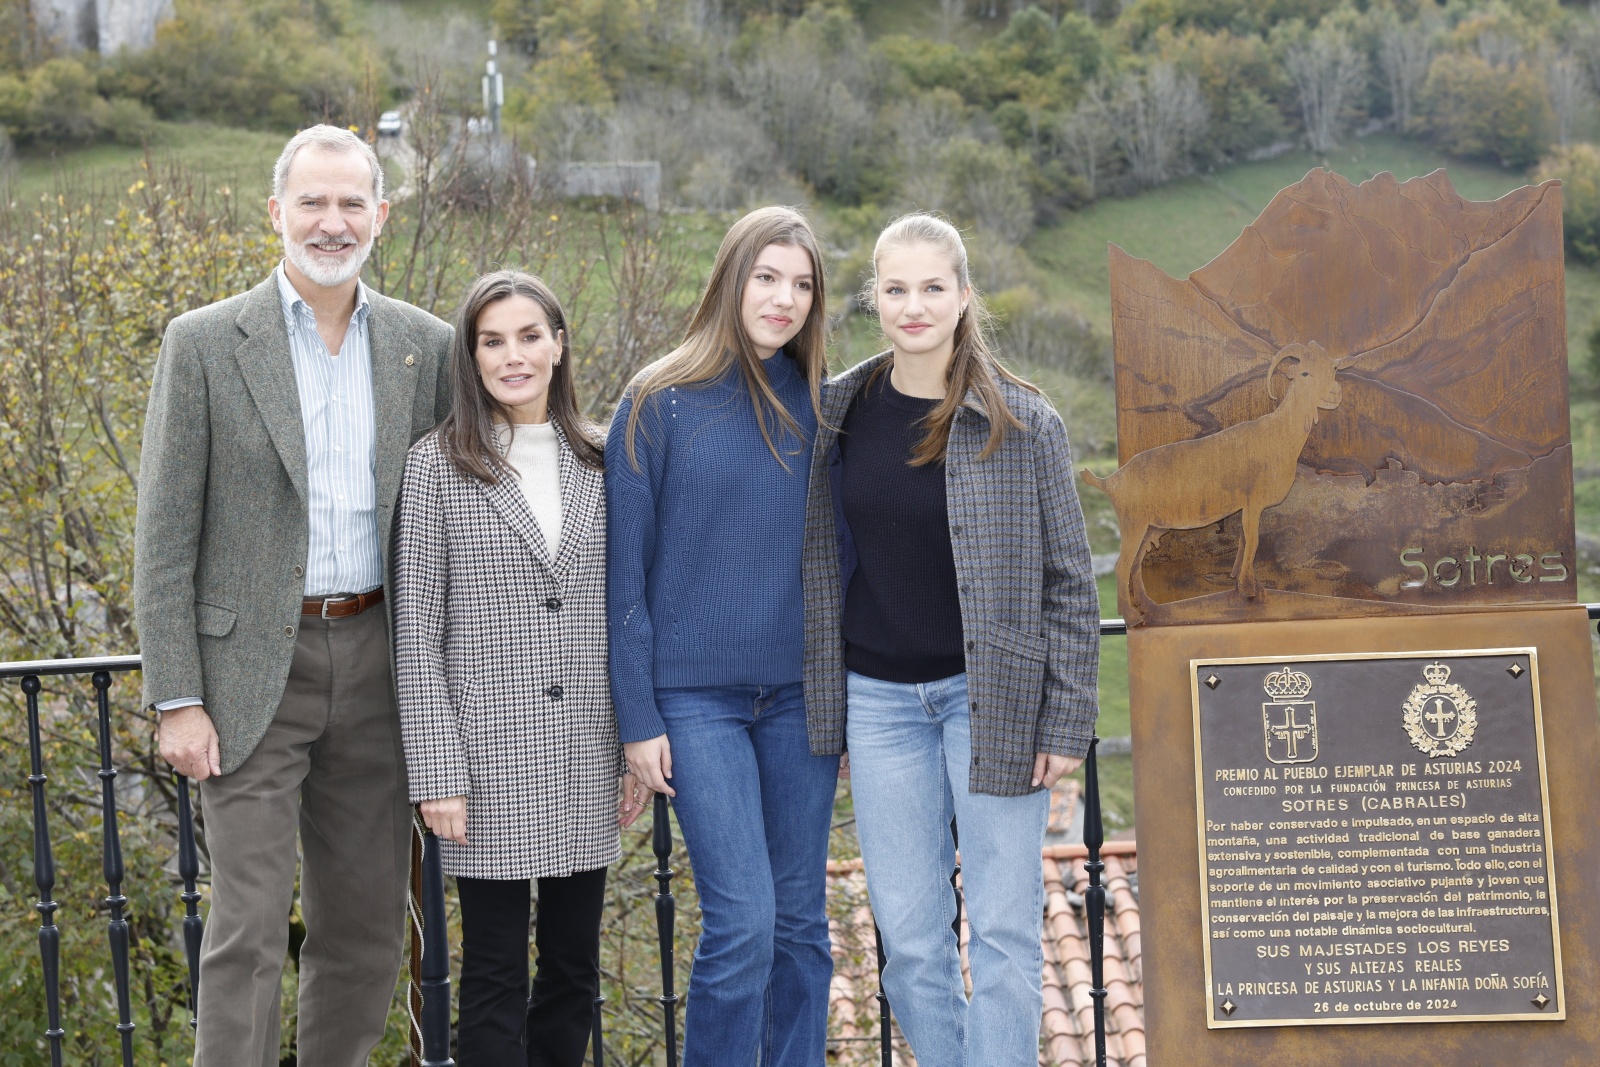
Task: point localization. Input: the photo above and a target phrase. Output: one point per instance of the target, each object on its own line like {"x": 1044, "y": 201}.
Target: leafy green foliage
{"x": 1473, "y": 109}
{"x": 58, "y": 102}
{"x": 272, "y": 63}
{"x": 1578, "y": 168}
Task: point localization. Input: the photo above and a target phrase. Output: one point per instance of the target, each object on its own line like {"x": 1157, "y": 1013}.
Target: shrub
{"x": 1578, "y": 167}
{"x": 1038, "y": 333}
{"x": 986, "y": 188}
{"x": 1470, "y": 108}
{"x": 261, "y": 63}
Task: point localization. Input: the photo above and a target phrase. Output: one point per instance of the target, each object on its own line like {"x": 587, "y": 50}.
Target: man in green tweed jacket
{"x": 278, "y": 426}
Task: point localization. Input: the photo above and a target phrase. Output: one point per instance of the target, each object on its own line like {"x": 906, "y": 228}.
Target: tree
{"x": 517, "y": 23}
{"x": 1567, "y": 83}
{"x": 986, "y": 188}
{"x": 811, "y": 83}
{"x": 1244, "y": 86}
{"x": 564, "y": 97}
{"x": 1470, "y": 108}
{"x": 952, "y": 13}
{"x": 1089, "y": 138}
{"x": 1404, "y": 51}
{"x": 1157, "y": 117}
{"x": 1329, "y": 76}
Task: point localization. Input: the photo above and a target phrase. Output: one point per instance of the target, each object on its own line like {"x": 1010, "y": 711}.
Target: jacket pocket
{"x": 1019, "y": 642}
{"x": 213, "y": 620}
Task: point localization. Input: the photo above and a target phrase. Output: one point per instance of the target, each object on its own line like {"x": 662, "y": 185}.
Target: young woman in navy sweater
{"x": 706, "y": 469}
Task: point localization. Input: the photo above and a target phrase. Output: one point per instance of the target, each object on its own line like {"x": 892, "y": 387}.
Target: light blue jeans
{"x": 755, "y": 807}
{"x": 910, "y": 749}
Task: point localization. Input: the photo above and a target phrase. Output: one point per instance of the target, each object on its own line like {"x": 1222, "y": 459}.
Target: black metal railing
{"x": 433, "y": 975}
{"x": 100, "y": 671}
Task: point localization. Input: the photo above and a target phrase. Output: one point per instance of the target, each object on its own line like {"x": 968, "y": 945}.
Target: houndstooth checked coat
{"x": 1026, "y": 587}
{"x": 501, "y": 662}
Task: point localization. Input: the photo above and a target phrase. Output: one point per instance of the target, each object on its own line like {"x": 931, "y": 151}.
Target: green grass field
{"x": 225, "y": 155}
{"x": 1182, "y": 226}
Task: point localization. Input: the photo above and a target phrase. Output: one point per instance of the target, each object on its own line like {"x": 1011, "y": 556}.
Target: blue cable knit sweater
{"x": 703, "y": 544}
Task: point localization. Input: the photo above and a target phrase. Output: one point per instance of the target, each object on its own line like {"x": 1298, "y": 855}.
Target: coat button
{"x": 553, "y": 604}
{"x": 299, "y": 571}
{"x": 555, "y": 692}
{"x": 971, "y": 645}
{"x": 288, "y": 631}
{"x": 411, "y": 361}
{"x": 955, "y": 531}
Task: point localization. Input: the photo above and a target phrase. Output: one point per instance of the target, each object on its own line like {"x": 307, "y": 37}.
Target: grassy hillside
{"x": 1182, "y": 226}
{"x": 224, "y": 154}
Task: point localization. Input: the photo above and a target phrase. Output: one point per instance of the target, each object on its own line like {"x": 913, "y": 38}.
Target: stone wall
{"x": 626, "y": 181}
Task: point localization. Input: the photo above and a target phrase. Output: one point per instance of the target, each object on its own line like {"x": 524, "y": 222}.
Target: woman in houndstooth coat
{"x": 510, "y": 738}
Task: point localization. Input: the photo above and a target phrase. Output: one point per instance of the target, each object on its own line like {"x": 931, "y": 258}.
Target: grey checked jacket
{"x": 1029, "y": 608}
{"x": 500, "y": 655}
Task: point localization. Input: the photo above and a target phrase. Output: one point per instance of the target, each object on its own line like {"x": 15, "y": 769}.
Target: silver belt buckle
{"x": 334, "y": 600}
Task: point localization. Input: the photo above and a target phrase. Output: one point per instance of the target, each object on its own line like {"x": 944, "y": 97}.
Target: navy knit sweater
{"x": 703, "y": 544}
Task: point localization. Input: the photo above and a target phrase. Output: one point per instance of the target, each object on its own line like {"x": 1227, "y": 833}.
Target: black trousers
{"x": 499, "y": 1024}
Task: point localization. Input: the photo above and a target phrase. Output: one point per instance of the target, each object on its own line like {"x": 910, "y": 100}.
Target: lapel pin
{"x": 410, "y": 360}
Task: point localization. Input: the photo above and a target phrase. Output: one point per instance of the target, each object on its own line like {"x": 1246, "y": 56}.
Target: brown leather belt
{"x": 341, "y": 607}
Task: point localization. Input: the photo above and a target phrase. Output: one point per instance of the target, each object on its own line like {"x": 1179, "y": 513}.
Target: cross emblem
{"x": 1291, "y": 732}
{"x": 1439, "y": 717}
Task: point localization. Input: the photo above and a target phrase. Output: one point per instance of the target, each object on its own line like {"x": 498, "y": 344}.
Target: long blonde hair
{"x": 973, "y": 366}
{"x": 716, "y": 339}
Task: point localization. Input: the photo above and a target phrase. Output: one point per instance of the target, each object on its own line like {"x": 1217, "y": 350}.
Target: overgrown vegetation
{"x": 88, "y": 281}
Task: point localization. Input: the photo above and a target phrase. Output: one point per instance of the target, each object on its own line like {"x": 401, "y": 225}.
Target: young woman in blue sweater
{"x": 706, "y": 469}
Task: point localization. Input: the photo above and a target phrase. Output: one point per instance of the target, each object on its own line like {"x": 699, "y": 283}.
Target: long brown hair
{"x": 468, "y": 435}
{"x": 716, "y": 339}
{"x": 974, "y": 367}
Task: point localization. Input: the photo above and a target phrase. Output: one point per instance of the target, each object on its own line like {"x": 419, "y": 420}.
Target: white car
{"x": 390, "y": 124}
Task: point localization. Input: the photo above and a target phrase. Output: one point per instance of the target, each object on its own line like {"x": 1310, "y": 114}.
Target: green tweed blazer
{"x": 1027, "y": 591}
{"x": 221, "y": 536}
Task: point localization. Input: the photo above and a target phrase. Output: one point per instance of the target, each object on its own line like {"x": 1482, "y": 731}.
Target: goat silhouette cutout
{"x": 1242, "y": 469}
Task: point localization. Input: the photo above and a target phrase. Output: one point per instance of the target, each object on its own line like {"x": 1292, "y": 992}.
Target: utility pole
{"x": 494, "y": 93}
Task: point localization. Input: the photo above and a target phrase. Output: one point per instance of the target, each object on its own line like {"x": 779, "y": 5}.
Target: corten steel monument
{"x": 1364, "y": 722}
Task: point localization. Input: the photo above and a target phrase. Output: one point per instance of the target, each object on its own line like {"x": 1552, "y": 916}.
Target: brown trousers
{"x": 330, "y": 767}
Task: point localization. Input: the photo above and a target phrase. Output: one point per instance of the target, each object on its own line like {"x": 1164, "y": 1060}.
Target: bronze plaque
{"x": 1374, "y": 839}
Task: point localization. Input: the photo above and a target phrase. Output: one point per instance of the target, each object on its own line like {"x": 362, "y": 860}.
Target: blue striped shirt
{"x": 336, "y": 410}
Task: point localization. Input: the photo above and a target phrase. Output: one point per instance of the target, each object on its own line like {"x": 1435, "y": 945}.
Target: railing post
{"x": 435, "y": 960}
{"x": 1094, "y": 898}
{"x": 666, "y": 918}
{"x": 885, "y": 1038}
{"x": 599, "y": 1047}
{"x": 189, "y": 870}
{"x": 955, "y": 880}
{"x": 44, "y": 876}
{"x": 117, "y": 928}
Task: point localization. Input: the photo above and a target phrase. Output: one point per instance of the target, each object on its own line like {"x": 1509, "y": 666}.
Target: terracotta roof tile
{"x": 1067, "y": 1033}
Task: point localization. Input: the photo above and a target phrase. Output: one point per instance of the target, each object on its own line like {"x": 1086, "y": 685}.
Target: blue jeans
{"x": 910, "y": 748}
{"x": 755, "y": 807}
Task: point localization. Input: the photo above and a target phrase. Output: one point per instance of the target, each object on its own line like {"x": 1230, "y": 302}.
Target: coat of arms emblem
{"x": 1289, "y": 719}
{"x": 1440, "y": 717}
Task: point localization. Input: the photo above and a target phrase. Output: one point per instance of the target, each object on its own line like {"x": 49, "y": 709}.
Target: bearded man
{"x": 278, "y": 426}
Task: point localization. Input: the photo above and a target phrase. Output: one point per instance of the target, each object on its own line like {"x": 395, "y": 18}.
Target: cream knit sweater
{"x": 535, "y": 454}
